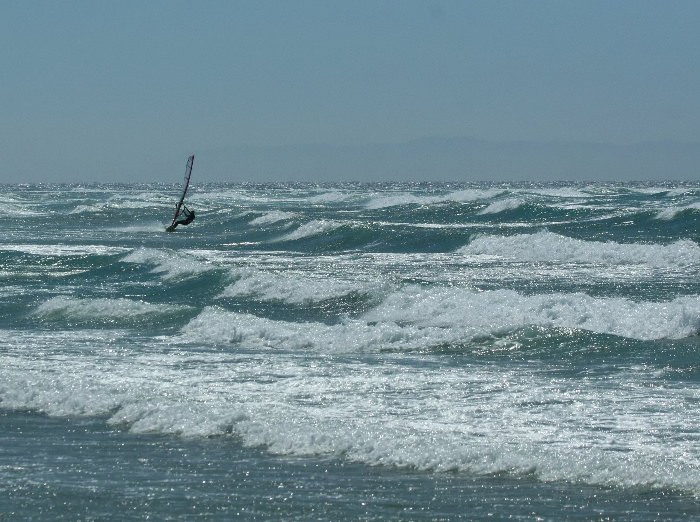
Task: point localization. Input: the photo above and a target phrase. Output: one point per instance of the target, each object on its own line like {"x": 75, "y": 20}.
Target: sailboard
{"x": 183, "y": 215}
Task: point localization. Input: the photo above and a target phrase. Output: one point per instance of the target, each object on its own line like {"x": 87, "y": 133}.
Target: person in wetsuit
{"x": 183, "y": 218}
{"x": 189, "y": 216}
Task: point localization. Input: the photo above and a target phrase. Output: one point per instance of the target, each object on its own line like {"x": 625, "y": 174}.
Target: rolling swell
{"x": 439, "y": 225}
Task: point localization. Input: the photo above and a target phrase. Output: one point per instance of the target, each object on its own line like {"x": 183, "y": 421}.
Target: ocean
{"x": 427, "y": 351}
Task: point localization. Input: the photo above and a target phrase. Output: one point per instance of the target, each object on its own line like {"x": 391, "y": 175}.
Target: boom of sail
{"x": 183, "y": 215}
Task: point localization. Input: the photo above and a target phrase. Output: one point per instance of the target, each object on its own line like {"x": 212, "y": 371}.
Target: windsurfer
{"x": 182, "y": 218}
{"x": 189, "y": 216}
{"x": 183, "y": 215}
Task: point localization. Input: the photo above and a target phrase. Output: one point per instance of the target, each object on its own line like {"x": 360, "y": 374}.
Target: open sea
{"x": 350, "y": 352}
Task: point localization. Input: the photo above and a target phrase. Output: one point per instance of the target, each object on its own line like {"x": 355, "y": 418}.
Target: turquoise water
{"x": 424, "y": 351}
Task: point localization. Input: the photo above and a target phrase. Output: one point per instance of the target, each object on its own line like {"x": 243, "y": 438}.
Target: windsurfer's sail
{"x": 183, "y": 215}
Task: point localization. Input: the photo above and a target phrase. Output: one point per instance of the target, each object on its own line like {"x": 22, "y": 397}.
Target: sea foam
{"x": 56, "y": 250}
{"x": 501, "y": 206}
{"x": 292, "y": 287}
{"x": 172, "y": 264}
{"x": 101, "y": 311}
{"x": 481, "y": 418}
{"x": 414, "y": 318}
{"x": 547, "y": 246}
{"x": 459, "y": 196}
{"x": 671, "y": 212}
{"x": 312, "y": 228}
{"x": 273, "y": 216}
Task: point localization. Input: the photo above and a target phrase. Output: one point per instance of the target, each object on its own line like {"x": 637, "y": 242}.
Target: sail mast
{"x": 188, "y": 174}
{"x": 178, "y": 207}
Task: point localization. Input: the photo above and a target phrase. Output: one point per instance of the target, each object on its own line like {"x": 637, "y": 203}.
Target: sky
{"x": 125, "y": 90}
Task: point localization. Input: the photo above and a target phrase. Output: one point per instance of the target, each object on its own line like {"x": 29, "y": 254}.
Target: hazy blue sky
{"x": 93, "y": 90}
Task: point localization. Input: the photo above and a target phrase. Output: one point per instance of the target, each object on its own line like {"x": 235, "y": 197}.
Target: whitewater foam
{"x": 101, "y": 311}
{"x": 172, "y": 264}
{"x": 502, "y": 206}
{"x": 466, "y": 311}
{"x": 671, "y": 212}
{"x": 119, "y": 204}
{"x": 15, "y": 209}
{"x": 293, "y": 287}
{"x": 564, "y": 192}
{"x": 479, "y": 418}
{"x": 459, "y": 196}
{"x": 273, "y": 216}
{"x": 312, "y": 228}
{"x": 415, "y": 319}
{"x": 151, "y": 227}
{"x": 547, "y": 246}
{"x": 56, "y": 250}
{"x": 333, "y": 196}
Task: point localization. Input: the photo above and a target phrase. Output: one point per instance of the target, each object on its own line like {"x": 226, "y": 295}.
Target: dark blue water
{"x": 429, "y": 351}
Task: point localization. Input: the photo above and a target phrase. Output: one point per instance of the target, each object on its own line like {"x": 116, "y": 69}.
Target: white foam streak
{"x": 333, "y": 196}
{"x": 274, "y": 216}
{"x": 170, "y": 263}
{"x": 71, "y": 308}
{"x": 564, "y": 192}
{"x": 671, "y": 212}
{"x": 14, "y": 209}
{"x": 501, "y": 206}
{"x": 460, "y": 196}
{"x": 668, "y": 191}
{"x": 292, "y": 287}
{"x": 151, "y": 227}
{"x": 553, "y": 248}
{"x": 399, "y": 200}
{"x": 312, "y": 228}
{"x": 468, "y": 195}
{"x": 55, "y": 250}
{"x": 119, "y": 204}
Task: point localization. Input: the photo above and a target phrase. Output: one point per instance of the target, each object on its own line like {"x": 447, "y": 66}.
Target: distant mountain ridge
{"x": 455, "y": 159}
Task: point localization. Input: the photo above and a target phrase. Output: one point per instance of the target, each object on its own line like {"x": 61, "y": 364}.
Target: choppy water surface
{"x": 428, "y": 351}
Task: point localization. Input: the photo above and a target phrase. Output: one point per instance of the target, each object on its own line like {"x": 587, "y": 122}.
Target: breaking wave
{"x": 274, "y": 216}
{"x": 293, "y": 287}
{"x": 171, "y": 264}
{"x": 415, "y": 318}
{"x": 672, "y": 212}
{"x": 101, "y": 311}
{"x": 547, "y": 246}
{"x": 312, "y": 228}
{"x": 460, "y": 196}
{"x": 501, "y": 206}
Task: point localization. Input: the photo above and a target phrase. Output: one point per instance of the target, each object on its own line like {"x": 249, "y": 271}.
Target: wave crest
{"x": 549, "y": 247}
{"x": 102, "y": 311}
{"x": 312, "y": 228}
{"x": 292, "y": 287}
{"x": 414, "y": 318}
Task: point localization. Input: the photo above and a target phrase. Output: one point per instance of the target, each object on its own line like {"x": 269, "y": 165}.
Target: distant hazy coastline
{"x": 456, "y": 159}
